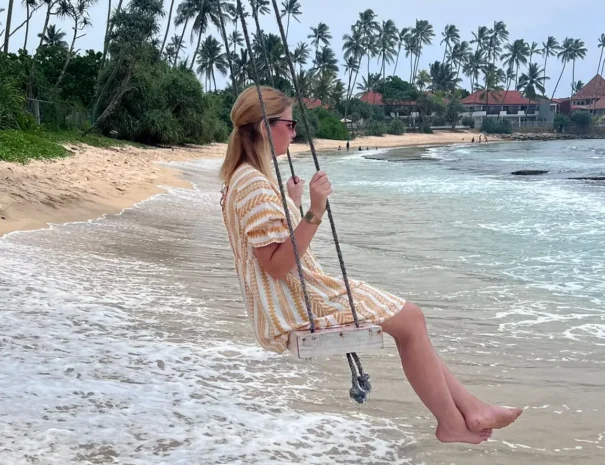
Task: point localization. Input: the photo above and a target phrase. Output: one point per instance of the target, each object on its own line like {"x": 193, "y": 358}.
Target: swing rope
{"x": 360, "y": 380}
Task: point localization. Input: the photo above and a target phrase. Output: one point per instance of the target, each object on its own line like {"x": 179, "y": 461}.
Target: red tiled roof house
{"x": 591, "y": 97}
{"x": 511, "y": 105}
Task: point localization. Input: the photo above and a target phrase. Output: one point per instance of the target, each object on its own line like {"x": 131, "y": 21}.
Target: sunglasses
{"x": 291, "y": 123}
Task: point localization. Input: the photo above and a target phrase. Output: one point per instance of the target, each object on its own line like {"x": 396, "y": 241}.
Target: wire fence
{"x": 59, "y": 115}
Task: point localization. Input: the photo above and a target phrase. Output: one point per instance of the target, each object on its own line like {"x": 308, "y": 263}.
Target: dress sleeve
{"x": 260, "y": 212}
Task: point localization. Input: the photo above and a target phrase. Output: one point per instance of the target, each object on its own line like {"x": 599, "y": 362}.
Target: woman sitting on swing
{"x": 265, "y": 263}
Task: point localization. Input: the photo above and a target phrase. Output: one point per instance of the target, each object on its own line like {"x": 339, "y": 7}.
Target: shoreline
{"x": 94, "y": 182}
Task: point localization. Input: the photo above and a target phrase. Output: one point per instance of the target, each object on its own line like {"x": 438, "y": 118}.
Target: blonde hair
{"x": 248, "y": 142}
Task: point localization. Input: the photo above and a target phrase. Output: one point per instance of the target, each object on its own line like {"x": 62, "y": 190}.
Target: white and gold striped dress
{"x": 254, "y": 217}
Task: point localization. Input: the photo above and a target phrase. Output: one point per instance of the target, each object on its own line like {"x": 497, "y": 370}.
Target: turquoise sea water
{"x": 124, "y": 340}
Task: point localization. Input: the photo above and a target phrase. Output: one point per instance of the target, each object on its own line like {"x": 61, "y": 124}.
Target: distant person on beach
{"x": 360, "y": 148}
{"x": 473, "y": 140}
{"x": 265, "y": 264}
{"x": 479, "y": 138}
{"x": 339, "y": 148}
{"x": 485, "y": 139}
{"x": 347, "y": 146}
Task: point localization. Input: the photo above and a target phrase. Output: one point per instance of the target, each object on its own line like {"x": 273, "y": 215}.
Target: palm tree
{"x": 403, "y": 34}
{"x": 167, "y": 24}
{"x": 79, "y": 14}
{"x": 9, "y": 16}
{"x": 578, "y": 53}
{"x": 493, "y": 87}
{"x": 565, "y": 55}
{"x": 472, "y": 66}
{"x": 549, "y": 49}
{"x": 451, "y": 36}
{"x": 423, "y": 33}
{"x": 211, "y": 58}
{"x": 236, "y": 39}
{"x": 531, "y": 82}
{"x": 54, "y": 37}
{"x": 325, "y": 61}
{"x": 170, "y": 49}
{"x": 533, "y": 49}
{"x": 423, "y": 80}
{"x": 260, "y": 7}
{"x": 109, "y": 29}
{"x": 301, "y": 55}
{"x": 184, "y": 12}
{"x": 602, "y": 47}
{"x": 369, "y": 84}
{"x": 320, "y": 35}
{"x": 386, "y": 42}
{"x": 459, "y": 55}
{"x": 351, "y": 66}
{"x": 353, "y": 48}
{"x": 50, "y": 4}
{"x": 443, "y": 78}
{"x": 480, "y": 37}
{"x": 201, "y": 11}
{"x": 29, "y": 4}
{"x": 577, "y": 86}
{"x": 368, "y": 26}
{"x": 338, "y": 90}
{"x": 291, "y": 8}
{"x": 516, "y": 55}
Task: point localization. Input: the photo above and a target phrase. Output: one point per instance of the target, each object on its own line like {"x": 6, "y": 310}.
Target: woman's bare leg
{"x": 423, "y": 369}
{"x": 478, "y": 414}
{"x": 456, "y": 409}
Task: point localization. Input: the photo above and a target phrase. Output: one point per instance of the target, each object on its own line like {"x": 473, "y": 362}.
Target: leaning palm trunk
{"x": 261, "y": 37}
{"x": 199, "y": 38}
{"x": 124, "y": 87}
{"x": 69, "y": 54}
{"x": 27, "y": 25}
{"x": 104, "y": 89}
{"x": 106, "y": 41}
{"x": 560, "y": 76}
{"x": 167, "y": 26}
{"x": 7, "y": 31}
{"x": 397, "y": 61}
{"x": 109, "y": 31}
{"x": 46, "y": 20}
{"x": 178, "y": 48}
{"x": 229, "y": 60}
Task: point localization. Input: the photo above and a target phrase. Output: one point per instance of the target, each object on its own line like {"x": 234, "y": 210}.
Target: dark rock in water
{"x": 589, "y": 178}
{"x": 528, "y": 172}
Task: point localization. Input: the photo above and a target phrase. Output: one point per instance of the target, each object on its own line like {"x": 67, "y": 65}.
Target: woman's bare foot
{"x": 460, "y": 433}
{"x": 491, "y": 417}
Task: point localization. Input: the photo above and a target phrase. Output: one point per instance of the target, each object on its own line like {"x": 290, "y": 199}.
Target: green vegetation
{"x": 496, "y": 126}
{"x": 561, "y": 122}
{"x": 22, "y": 146}
{"x": 145, "y": 85}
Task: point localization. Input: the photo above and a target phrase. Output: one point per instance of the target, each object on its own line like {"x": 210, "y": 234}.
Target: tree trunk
{"x": 225, "y": 39}
{"x": 109, "y": 31}
{"x": 288, "y": 27}
{"x": 368, "y": 83}
{"x": 69, "y": 54}
{"x": 600, "y": 59}
{"x": 261, "y": 37}
{"x": 397, "y": 61}
{"x": 444, "y": 53}
{"x": 167, "y": 26}
{"x": 9, "y": 16}
{"x": 214, "y": 79}
{"x": 197, "y": 47}
{"x": 573, "y": 77}
{"x": 178, "y": 48}
{"x": 106, "y": 41}
{"x": 45, "y": 27}
{"x": 560, "y": 76}
{"x": 104, "y": 89}
{"x": 114, "y": 102}
{"x": 27, "y": 26}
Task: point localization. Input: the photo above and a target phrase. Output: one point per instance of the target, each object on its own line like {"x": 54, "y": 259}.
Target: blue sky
{"x": 582, "y": 19}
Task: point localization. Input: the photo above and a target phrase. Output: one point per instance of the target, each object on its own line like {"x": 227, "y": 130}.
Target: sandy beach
{"x": 93, "y": 181}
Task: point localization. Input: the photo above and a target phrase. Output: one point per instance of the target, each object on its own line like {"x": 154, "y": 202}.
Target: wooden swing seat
{"x": 335, "y": 341}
